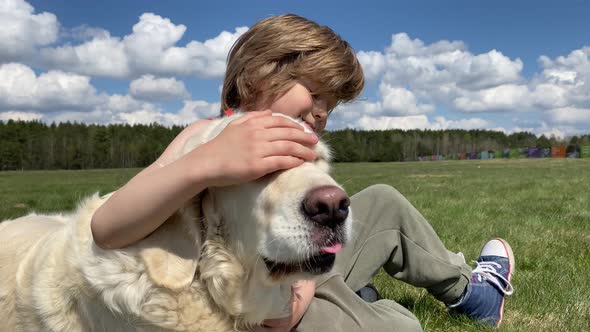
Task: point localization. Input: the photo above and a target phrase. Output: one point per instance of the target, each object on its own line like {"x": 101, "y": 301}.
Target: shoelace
{"x": 487, "y": 271}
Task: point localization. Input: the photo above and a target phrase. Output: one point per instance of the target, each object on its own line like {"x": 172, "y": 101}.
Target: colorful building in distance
{"x": 558, "y": 151}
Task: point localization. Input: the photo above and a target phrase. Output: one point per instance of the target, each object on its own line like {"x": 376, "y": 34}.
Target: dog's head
{"x": 291, "y": 222}
{"x": 285, "y": 226}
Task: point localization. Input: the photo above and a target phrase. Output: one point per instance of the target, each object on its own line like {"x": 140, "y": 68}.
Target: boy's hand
{"x": 275, "y": 325}
{"x": 253, "y": 146}
{"x": 302, "y": 293}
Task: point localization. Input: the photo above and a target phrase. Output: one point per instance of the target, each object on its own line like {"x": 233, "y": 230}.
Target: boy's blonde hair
{"x": 267, "y": 60}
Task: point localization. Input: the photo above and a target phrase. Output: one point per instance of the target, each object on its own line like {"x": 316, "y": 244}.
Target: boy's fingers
{"x": 251, "y": 115}
{"x": 289, "y": 134}
{"x": 265, "y": 119}
{"x": 278, "y": 122}
{"x": 277, "y": 163}
{"x": 287, "y": 148}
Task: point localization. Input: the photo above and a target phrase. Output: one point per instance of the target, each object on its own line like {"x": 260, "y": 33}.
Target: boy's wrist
{"x": 199, "y": 173}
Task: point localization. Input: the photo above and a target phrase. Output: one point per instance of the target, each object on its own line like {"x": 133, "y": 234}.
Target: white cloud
{"x": 401, "y": 101}
{"x": 347, "y": 115}
{"x": 414, "y": 77}
{"x": 192, "y": 111}
{"x": 58, "y": 96}
{"x": 419, "y": 122}
{"x": 123, "y": 109}
{"x": 486, "y": 70}
{"x": 94, "y": 116}
{"x": 198, "y": 109}
{"x": 548, "y": 95}
{"x": 391, "y": 122}
{"x": 102, "y": 56}
{"x": 561, "y": 92}
{"x": 557, "y": 76}
{"x": 508, "y": 97}
{"x": 23, "y": 116}
{"x": 21, "y": 30}
{"x": 576, "y": 62}
{"x": 445, "y": 67}
{"x": 83, "y": 32}
{"x": 155, "y": 89}
{"x": 124, "y": 103}
{"x": 368, "y": 116}
{"x": 440, "y": 123}
{"x": 22, "y": 89}
{"x": 571, "y": 74}
{"x": 119, "y": 109}
{"x": 569, "y": 116}
{"x": 373, "y": 64}
{"x": 145, "y": 117}
{"x": 150, "y": 49}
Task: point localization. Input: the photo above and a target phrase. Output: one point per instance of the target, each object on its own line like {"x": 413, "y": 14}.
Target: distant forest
{"x": 26, "y": 145}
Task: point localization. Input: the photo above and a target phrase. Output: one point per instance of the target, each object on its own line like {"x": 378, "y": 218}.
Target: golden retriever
{"x": 223, "y": 262}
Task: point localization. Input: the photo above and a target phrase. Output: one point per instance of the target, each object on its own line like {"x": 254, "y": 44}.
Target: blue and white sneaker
{"x": 490, "y": 283}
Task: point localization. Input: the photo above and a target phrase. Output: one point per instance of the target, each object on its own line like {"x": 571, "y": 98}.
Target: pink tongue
{"x": 333, "y": 249}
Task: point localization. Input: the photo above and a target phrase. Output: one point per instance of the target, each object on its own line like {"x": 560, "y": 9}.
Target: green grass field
{"x": 542, "y": 207}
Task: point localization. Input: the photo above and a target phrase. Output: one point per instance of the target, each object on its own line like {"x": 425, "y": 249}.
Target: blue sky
{"x": 504, "y": 65}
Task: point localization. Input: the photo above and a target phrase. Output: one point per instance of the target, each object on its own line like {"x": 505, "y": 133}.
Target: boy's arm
{"x": 145, "y": 202}
{"x": 146, "y": 197}
{"x": 248, "y": 148}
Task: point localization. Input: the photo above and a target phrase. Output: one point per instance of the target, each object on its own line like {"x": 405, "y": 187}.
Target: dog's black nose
{"x": 326, "y": 205}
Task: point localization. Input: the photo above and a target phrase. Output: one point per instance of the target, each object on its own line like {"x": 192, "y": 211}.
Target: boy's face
{"x": 300, "y": 102}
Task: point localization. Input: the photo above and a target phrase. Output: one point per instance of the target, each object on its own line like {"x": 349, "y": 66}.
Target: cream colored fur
{"x": 200, "y": 271}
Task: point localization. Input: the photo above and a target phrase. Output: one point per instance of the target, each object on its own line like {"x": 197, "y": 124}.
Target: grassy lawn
{"x": 542, "y": 207}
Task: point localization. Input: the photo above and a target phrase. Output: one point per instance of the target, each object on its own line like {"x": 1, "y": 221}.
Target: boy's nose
{"x": 321, "y": 116}
{"x": 320, "y": 109}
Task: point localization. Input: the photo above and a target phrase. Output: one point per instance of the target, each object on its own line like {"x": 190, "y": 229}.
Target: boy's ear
{"x": 172, "y": 251}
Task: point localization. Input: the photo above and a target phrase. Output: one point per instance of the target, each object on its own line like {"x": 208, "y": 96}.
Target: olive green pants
{"x": 388, "y": 232}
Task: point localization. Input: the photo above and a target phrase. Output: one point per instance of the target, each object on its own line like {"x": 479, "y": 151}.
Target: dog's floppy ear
{"x": 220, "y": 270}
{"x": 172, "y": 251}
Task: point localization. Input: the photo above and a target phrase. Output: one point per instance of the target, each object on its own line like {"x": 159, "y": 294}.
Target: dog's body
{"x": 223, "y": 262}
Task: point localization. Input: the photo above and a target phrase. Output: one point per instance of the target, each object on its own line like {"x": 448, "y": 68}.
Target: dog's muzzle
{"x": 327, "y": 209}
{"x": 315, "y": 265}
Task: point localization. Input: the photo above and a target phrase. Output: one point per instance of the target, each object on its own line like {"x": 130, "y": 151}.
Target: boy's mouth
{"x": 309, "y": 126}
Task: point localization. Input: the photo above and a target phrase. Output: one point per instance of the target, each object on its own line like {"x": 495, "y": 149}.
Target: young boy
{"x": 288, "y": 64}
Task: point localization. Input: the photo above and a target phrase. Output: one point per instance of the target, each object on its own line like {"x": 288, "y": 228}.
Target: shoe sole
{"x": 511, "y": 271}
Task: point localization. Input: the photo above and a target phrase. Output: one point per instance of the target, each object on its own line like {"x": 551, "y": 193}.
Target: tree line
{"x": 351, "y": 145}
{"x": 34, "y": 145}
